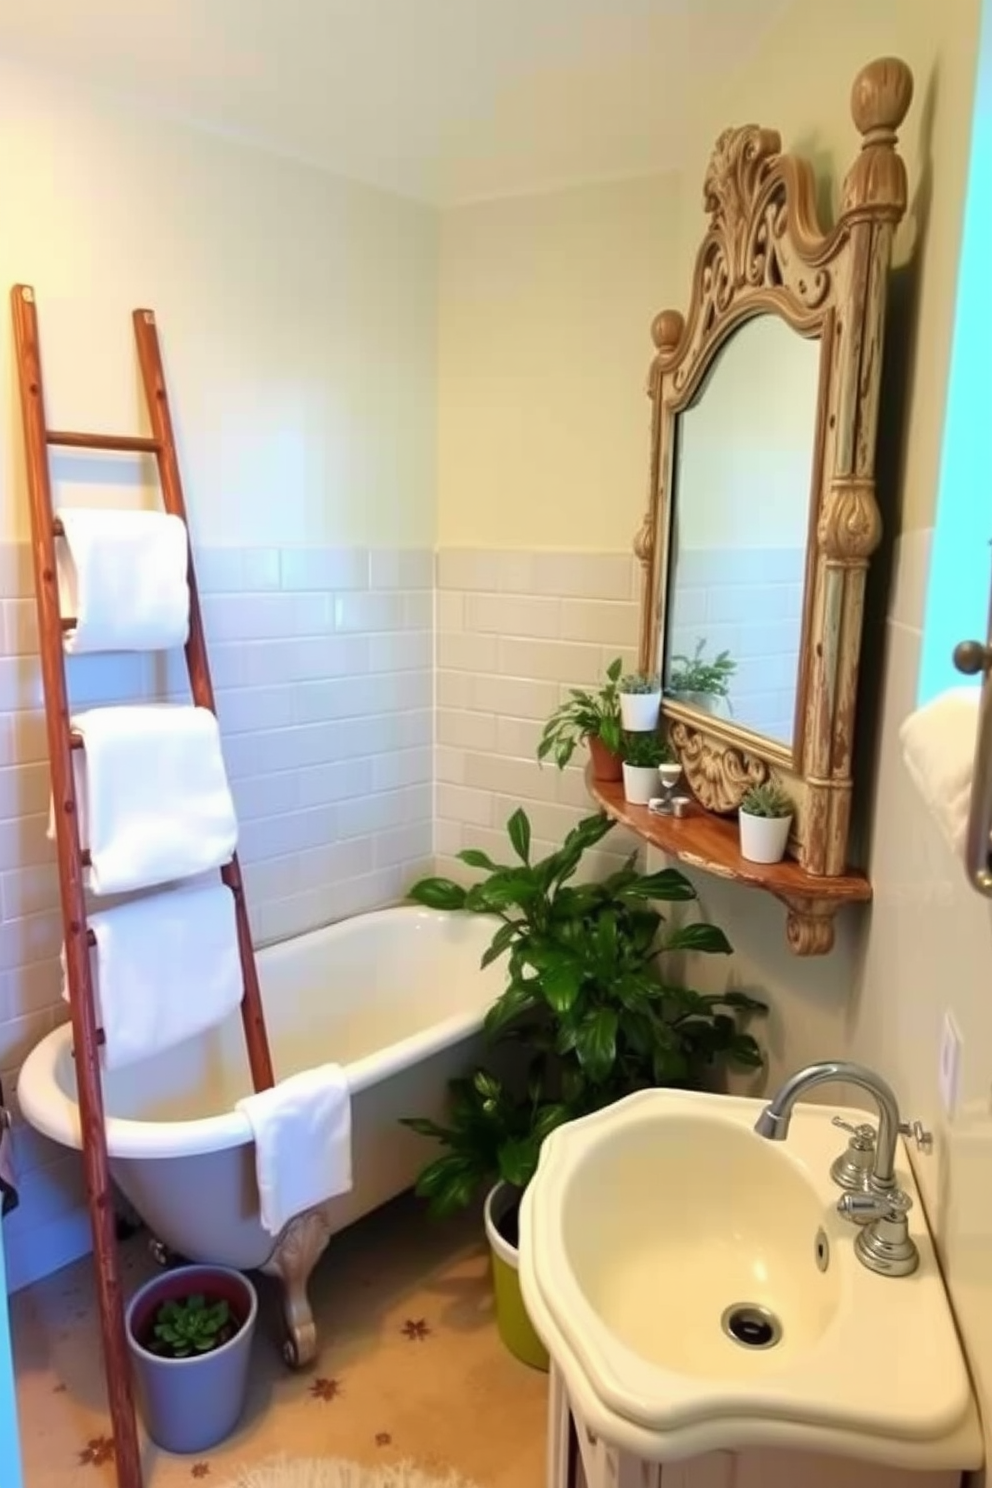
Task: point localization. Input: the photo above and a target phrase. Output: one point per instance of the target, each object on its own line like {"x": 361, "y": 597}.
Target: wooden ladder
{"x": 71, "y": 856}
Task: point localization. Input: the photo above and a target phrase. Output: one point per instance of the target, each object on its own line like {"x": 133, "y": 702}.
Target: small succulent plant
{"x": 640, "y": 682}
{"x": 192, "y": 1326}
{"x": 645, "y": 750}
{"x": 768, "y": 800}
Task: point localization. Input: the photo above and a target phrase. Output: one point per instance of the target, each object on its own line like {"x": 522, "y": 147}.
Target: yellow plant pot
{"x": 515, "y": 1327}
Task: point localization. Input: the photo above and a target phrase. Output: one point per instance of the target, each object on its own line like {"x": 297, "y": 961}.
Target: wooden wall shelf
{"x": 704, "y": 841}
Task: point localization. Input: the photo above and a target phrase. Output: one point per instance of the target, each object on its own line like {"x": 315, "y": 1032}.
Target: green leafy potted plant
{"x": 593, "y": 717}
{"x": 702, "y": 684}
{"x": 765, "y": 818}
{"x": 190, "y": 1334}
{"x": 642, "y": 754}
{"x": 589, "y": 1005}
{"x": 640, "y": 700}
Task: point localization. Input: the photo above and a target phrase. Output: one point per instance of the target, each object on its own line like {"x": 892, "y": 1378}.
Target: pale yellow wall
{"x": 546, "y": 302}
{"x": 799, "y": 83}
{"x": 297, "y": 314}
{"x": 546, "y": 305}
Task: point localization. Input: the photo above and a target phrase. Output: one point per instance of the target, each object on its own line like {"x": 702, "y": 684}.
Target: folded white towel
{"x": 165, "y": 968}
{"x": 938, "y": 746}
{"x": 154, "y": 802}
{"x": 302, "y": 1130}
{"x": 122, "y": 576}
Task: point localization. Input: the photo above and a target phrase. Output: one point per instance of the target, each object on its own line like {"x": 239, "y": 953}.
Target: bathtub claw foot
{"x": 297, "y": 1250}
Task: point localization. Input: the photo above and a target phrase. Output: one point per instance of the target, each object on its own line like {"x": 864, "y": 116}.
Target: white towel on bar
{"x": 302, "y": 1130}
{"x": 122, "y": 577}
{"x": 938, "y": 746}
{"x": 154, "y": 802}
{"x": 165, "y": 968}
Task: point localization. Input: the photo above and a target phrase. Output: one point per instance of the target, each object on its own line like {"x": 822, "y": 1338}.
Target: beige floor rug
{"x": 411, "y": 1371}
{"x": 327, "y": 1473}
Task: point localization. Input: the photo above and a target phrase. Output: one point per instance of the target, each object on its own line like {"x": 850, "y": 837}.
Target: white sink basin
{"x": 649, "y": 1223}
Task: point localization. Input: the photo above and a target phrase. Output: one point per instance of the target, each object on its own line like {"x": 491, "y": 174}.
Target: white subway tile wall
{"x": 514, "y": 631}
{"x": 323, "y": 667}
{"x": 748, "y": 601}
{"x": 363, "y": 745}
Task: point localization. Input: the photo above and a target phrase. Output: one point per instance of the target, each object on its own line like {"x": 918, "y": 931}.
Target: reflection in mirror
{"x": 740, "y": 517}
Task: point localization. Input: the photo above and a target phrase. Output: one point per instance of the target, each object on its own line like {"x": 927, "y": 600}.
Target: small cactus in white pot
{"x": 640, "y": 701}
{"x": 765, "y": 817}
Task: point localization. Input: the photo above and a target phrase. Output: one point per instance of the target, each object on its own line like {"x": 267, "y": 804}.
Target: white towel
{"x": 165, "y": 968}
{"x": 154, "y": 802}
{"x": 122, "y": 577}
{"x": 938, "y": 746}
{"x": 302, "y": 1130}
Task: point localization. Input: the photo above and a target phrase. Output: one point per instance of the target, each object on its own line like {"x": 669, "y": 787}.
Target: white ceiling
{"x": 441, "y": 99}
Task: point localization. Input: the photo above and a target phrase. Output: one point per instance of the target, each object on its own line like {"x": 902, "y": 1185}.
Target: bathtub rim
{"x": 46, "y": 1107}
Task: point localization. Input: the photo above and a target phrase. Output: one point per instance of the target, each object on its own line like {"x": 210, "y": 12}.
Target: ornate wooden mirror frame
{"x": 764, "y": 252}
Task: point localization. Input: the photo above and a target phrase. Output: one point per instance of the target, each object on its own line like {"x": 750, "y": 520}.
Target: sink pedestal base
{"x": 577, "y": 1458}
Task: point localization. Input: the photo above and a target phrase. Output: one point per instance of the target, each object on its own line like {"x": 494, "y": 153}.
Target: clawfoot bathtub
{"x": 396, "y": 996}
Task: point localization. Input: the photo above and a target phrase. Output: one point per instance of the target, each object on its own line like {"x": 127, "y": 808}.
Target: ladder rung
{"x": 138, "y": 444}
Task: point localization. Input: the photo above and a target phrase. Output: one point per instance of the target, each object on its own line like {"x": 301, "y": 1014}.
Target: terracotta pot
{"x": 605, "y": 764}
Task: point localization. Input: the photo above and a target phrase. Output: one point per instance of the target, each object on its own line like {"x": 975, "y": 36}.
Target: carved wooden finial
{"x": 666, "y": 329}
{"x": 880, "y": 99}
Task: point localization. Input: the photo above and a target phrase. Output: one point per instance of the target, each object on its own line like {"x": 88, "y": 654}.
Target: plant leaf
{"x": 518, "y": 831}
{"x": 560, "y": 983}
{"x": 438, "y": 893}
{"x": 596, "y": 1043}
{"x": 668, "y": 884}
{"x": 504, "y": 937}
{"x": 518, "y": 998}
{"x": 475, "y": 858}
{"x": 698, "y": 937}
{"x": 518, "y": 1160}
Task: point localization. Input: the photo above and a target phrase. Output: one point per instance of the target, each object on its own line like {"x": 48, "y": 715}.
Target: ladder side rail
{"x": 84, "y": 1030}
{"x": 198, "y": 665}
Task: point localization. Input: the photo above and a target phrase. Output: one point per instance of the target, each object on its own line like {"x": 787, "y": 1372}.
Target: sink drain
{"x": 751, "y": 1326}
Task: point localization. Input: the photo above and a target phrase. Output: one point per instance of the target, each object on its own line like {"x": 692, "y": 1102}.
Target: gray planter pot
{"x": 192, "y": 1404}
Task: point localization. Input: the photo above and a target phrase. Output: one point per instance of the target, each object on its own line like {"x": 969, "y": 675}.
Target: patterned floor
{"x": 410, "y": 1368}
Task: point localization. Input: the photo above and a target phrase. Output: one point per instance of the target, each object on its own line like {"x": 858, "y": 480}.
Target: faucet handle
{"x": 892, "y": 1204}
{"x": 863, "y": 1136}
{"x": 919, "y": 1134}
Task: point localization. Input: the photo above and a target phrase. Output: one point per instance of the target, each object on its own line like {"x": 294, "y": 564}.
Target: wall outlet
{"x": 949, "y": 1066}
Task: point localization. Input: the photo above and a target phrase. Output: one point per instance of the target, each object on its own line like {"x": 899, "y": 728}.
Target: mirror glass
{"x": 739, "y": 528}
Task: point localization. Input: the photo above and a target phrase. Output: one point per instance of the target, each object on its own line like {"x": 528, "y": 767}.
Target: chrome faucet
{"x": 773, "y": 1122}
{"x": 884, "y": 1245}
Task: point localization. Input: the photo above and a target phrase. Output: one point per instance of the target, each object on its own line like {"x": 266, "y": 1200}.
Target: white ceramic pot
{"x": 639, "y": 711}
{"x": 763, "y": 838}
{"x": 640, "y": 783}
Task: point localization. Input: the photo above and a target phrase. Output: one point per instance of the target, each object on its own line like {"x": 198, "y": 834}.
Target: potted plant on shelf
{"x": 700, "y": 683}
{"x": 190, "y": 1334}
{"x": 589, "y": 1005}
{"x": 642, "y": 754}
{"x": 640, "y": 700}
{"x": 590, "y": 716}
{"x": 765, "y": 818}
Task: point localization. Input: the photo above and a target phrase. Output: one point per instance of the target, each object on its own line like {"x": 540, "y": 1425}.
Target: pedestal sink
{"x": 698, "y": 1290}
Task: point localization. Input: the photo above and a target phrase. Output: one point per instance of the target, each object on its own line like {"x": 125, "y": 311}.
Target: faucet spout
{"x": 773, "y": 1123}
